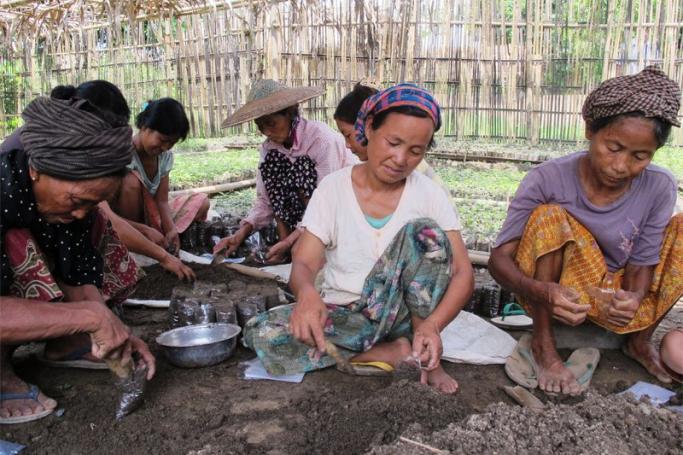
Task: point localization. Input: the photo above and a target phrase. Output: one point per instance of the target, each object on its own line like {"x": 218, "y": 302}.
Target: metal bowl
{"x": 199, "y": 345}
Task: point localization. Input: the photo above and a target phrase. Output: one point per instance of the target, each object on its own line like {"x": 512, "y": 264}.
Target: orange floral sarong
{"x": 550, "y": 228}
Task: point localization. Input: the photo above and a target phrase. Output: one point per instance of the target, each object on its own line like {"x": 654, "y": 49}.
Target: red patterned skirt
{"x": 33, "y": 278}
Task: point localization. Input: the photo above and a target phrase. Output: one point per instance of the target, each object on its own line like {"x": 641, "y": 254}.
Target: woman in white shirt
{"x": 396, "y": 271}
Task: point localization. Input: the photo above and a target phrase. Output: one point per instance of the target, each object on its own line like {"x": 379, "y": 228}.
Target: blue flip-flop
{"x": 31, "y": 394}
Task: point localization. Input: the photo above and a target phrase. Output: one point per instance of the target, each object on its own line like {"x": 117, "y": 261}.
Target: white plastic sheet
{"x": 470, "y": 339}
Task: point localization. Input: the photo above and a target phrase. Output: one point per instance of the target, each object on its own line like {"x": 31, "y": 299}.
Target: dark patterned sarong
{"x": 289, "y": 185}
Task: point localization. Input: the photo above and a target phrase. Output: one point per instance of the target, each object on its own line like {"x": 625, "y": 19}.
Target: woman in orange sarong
{"x": 591, "y": 235}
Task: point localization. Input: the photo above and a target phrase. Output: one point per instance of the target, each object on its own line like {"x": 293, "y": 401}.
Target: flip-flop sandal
{"x": 520, "y": 366}
{"x": 31, "y": 394}
{"x": 582, "y": 363}
{"x": 376, "y": 368}
{"x": 513, "y": 316}
{"x": 357, "y": 368}
{"x": 73, "y": 360}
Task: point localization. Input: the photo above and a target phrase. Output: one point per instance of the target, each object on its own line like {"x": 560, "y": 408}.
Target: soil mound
{"x": 357, "y": 424}
{"x": 598, "y": 425}
{"x": 158, "y": 283}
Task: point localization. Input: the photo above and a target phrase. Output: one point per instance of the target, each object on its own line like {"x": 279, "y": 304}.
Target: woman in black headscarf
{"x": 68, "y": 160}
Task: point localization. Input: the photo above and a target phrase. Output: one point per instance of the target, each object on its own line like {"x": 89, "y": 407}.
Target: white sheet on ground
{"x": 147, "y": 303}
{"x": 142, "y": 260}
{"x": 256, "y": 370}
{"x": 470, "y": 339}
{"x": 145, "y": 261}
{"x": 209, "y": 256}
{"x": 189, "y": 257}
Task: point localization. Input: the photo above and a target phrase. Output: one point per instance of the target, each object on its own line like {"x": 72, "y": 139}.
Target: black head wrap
{"x": 650, "y": 92}
{"x": 65, "y": 141}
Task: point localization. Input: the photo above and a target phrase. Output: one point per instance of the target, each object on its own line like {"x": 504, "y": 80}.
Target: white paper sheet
{"x": 256, "y": 370}
{"x": 658, "y": 395}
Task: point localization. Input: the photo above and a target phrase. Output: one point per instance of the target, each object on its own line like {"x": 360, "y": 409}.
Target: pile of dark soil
{"x": 598, "y": 425}
{"x": 356, "y": 423}
{"x": 159, "y": 284}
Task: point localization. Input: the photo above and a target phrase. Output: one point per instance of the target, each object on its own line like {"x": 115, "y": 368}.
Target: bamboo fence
{"x": 501, "y": 69}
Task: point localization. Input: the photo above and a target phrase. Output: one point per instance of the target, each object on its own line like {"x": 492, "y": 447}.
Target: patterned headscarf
{"x": 398, "y": 95}
{"x": 64, "y": 141}
{"x": 650, "y": 92}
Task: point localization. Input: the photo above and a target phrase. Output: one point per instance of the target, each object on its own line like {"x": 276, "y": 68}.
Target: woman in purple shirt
{"x": 590, "y": 235}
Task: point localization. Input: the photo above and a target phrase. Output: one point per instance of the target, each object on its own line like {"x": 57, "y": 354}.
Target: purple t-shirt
{"x": 629, "y": 230}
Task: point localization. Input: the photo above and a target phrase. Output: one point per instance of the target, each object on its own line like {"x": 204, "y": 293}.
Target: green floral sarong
{"x": 409, "y": 278}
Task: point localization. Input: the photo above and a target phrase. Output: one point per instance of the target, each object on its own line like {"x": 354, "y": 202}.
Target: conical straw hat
{"x": 268, "y": 97}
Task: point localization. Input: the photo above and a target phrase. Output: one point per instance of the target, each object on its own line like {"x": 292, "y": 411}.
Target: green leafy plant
{"x": 209, "y": 168}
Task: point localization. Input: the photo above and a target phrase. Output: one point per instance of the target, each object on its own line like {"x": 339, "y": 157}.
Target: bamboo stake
{"x": 422, "y": 446}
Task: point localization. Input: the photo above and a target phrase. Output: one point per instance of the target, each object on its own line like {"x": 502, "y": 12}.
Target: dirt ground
{"x": 214, "y": 411}
{"x": 598, "y": 425}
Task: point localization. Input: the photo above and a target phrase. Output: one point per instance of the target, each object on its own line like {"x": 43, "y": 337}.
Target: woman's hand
{"x": 146, "y": 357}
{"x": 231, "y": 243}
{"x": 172, "y": 242}
{"x": 427, "y": 345}
{"x": 308, "y": 319}
{"x": 175, "y": 266}
{"x": 124, "y": 355}
{"x": 278, "y": 252}
{"x": 565, "y": 304}
{"x": 154, "y": 236}
{"x": 109, "y": 333}
{"x": 623, "y": 307}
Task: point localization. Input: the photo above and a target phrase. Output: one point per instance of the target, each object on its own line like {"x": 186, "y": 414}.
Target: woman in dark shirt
{"x": 51, "y": 233}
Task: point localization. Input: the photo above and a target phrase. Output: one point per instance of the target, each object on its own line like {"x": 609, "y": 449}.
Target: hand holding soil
{"x": 277, "y": 254}
{"x": 172, "y": 242}
{"x": 109, "y": 334}
{"x": 564, "y": 302}
{"x": 175, "y": 266}
{"x": 308, "y": 319}
{"x": 623, "y": 307}
{"x": 427, "y": 346}
{"x": 228, "y": 245}
{"x": 147, "y": 359}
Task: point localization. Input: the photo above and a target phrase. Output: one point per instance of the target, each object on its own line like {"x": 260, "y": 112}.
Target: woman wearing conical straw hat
{"x": 295, "y": 156}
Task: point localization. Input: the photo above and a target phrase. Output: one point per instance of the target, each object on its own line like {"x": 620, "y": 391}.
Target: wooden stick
{"x": 423, "y": 446}
{"x": 223, "y": 187}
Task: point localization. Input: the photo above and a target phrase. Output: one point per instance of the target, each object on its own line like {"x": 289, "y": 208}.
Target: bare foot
{"x": 391, "y": 352}
{"x": 10, "y": 383}
{"x": 440, "y": 380}
{"x": 553, "y": 376}
{"x": 639, "y": 349}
